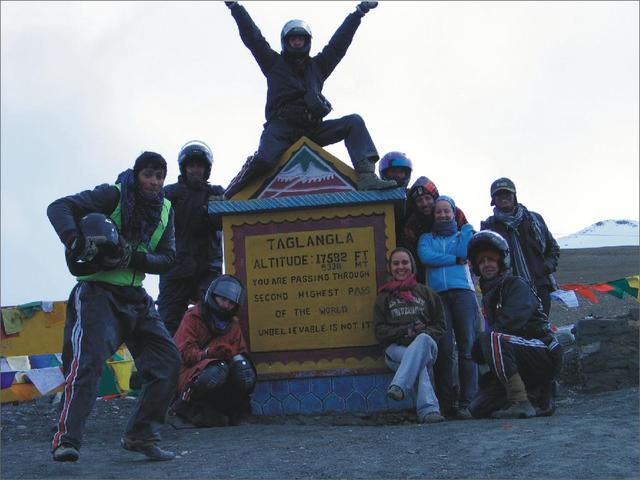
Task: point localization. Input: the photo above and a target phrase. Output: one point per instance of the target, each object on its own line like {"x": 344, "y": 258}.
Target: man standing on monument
{"x": 295, "y": 105}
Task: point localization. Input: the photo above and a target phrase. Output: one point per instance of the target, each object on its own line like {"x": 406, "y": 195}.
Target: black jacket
{"x": 66, "y": 212}
{"x": 284, "y": 86}
{"x": 541, "y": 262}
{"x": 198, "y": 235}
{"x": 512, "y": 307}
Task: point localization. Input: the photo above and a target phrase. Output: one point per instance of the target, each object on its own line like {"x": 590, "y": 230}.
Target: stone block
{"x": 607, "y": 354}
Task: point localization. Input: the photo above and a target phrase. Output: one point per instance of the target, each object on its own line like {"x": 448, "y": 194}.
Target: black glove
{"x": 84, "y": 249}
{"x": 121, "y": 258}
{"x": 364, "y": 7}
{"x": 230, "y": 4}
{"x": 549, "y": 267}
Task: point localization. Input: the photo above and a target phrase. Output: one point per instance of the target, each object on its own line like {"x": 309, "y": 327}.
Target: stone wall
{"x": 605, "y": 354}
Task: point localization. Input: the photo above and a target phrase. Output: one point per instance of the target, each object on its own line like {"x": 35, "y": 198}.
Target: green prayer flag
{"x": 622, "y": 286}
{"x": 12, "y": 320}
{"x": 30, "y": 309}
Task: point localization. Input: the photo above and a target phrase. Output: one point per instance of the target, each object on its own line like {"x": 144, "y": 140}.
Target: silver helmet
{"x": 296, "y": 27}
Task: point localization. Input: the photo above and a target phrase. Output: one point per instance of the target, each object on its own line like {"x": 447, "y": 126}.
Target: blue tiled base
{"x": 353, "y": 393}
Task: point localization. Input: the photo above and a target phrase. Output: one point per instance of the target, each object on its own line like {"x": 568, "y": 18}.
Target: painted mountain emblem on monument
{"x": 306, "y": 173}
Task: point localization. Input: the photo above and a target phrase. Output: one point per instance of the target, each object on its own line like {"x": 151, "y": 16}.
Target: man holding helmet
{"x": 198, "y": 235}
{"x": 217, "y": 376}
{"x": 295, "y": 105}
{"x": 523, "y": 356}
{"x": 109, "y": 306}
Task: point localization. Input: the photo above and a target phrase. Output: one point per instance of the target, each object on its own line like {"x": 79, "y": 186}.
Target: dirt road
{"x": 590, "y": 436}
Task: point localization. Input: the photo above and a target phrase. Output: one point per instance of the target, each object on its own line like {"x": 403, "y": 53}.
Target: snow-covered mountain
{"x": 606, "y": 233}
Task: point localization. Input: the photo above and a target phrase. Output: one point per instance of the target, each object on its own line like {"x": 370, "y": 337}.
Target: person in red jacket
{"x": 217, "y": 376}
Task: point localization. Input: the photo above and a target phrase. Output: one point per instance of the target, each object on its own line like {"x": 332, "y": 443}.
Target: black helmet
{"x": 100, "y": 229}
{"x": 195, "y": 150}
{"x": 226, "y": 286}
{"x": 503, "y": 183}
{"x": 296, "y": 27}
{"x": 488, "y": 240}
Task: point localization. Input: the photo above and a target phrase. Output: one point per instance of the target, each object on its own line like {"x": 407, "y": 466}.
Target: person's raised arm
{"x": 337, "y": 47}
{"x": 252, "y": 37}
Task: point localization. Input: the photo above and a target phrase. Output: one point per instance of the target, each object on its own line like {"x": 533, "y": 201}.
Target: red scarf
{"x": 401, "y": 288}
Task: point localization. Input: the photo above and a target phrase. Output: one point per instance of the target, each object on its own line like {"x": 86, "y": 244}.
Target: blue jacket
{"x": 440, "y": 254}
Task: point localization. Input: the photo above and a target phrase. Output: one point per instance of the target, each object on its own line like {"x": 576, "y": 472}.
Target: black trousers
{"x": 537, "y": 362}
{"x": 176, "y": 293}
{"x": 279, "y": 135}
{"x": 204, "y": 406}
{"x": 544, "y": 292}
{"x": 100, "y": 317}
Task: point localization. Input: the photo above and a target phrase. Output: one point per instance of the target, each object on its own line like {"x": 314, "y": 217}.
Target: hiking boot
{"x": 149, "y": 449}
{"x": 367, "y": 180}
{"x": 461, "y": 414}
{"x": 394, "y": 392}
{"x": 546, "y": 405}
{"x": 516, "y": 410}
{"x": 66, "y": 453}
{"x": 433, "y": 417}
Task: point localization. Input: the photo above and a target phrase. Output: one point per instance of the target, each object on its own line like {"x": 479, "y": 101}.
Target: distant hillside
{"x": 606, "y": 233}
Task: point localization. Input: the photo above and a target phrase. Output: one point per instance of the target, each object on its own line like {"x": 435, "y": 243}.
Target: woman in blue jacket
{"x": 444, "y": 251}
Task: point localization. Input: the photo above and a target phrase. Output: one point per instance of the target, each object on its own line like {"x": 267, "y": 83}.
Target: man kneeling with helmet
{"x": 217, "y": 376}
{"x": 523, "y": 357}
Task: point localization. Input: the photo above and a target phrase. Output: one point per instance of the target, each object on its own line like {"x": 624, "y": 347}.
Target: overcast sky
{"x": 544, "y": 93}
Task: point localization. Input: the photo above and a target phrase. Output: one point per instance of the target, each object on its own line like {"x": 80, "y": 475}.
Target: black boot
{"x": 149, "y": 449}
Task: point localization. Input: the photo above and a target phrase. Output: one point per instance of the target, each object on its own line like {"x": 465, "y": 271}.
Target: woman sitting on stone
{"x": 217, "y": 376}
{"x": 409, "y": 322}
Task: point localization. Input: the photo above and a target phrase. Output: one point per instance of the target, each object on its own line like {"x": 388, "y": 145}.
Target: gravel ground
{"x": 590, "y": 436}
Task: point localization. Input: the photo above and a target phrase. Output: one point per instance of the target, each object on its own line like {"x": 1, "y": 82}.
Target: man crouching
{"x": 522, "y": 355}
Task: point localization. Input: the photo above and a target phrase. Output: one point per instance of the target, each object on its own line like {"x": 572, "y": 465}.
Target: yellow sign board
{"x": 316, "y": 288}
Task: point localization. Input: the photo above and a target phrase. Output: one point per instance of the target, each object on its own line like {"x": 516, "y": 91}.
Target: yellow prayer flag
{"x": 634, "y": 282}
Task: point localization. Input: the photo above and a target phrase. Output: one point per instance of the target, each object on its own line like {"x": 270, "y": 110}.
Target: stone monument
{"x": 311, "y": 251}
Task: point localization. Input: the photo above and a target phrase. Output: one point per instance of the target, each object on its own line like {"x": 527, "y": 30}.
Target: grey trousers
{"x": 413, "y": 365}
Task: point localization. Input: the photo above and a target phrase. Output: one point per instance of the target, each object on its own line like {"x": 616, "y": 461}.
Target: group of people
{"x": 429, "y": 306}
{"x": 190, "y": 353}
